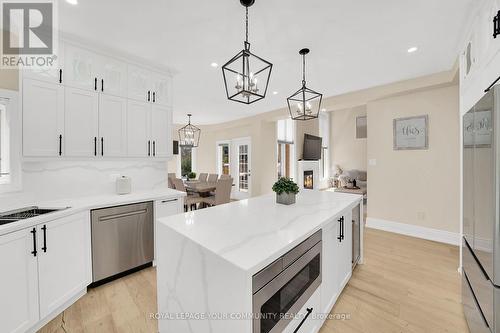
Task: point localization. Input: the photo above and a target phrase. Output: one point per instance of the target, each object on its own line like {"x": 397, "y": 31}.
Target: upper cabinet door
{"x": 161, "y": 133}
{"x": 112, "y": 76}
{"x": 43, "y": 119}
{"x": 19, "y": 287}
{"x": 54, "y": 74}
{"x": 64, "y": 261}
{"x": 162, "y": 89}
{"x": 80, "y": 122}
{"x": 139, "y": 142}
{"x": 139, "y": 84}
{"x": 112, "y": 126}
{"x": 80, "y": 68}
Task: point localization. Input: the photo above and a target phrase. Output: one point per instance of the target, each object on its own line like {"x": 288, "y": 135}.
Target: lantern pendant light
{"x": 189, "y": 135}
{"x": 305, "y": 104}
{"x": 246, "y": 76}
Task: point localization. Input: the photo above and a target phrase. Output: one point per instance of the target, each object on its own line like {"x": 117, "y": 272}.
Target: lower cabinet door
{"x": 64, "y": 261}
{"x": 329, "y": 265}
{"x": 345, "y": 259}
{"x": 164, "y": 208}
{"x": 307, "y": 319}
{"x": 18, "y": 282}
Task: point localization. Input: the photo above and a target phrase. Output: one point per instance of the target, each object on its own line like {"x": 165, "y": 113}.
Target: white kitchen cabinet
{"x": 64, "y": 261}
{"x": 345, "y": 258}
{"x": 308, "y": 316}
{"x": 43, "y": 119}
{"x": 112, "y": 126}
{"x": 139, "y": 84}
{"x": 164, "y": 208}
{"x": 80, "y": 68}
{"x": 331, "y": 256}
{"x": 112, "y": 76}
{"x": 161, "y": 136}
{"x": 161, "y": 87}
{"x": 54, "y": 74}
{"x": 138, "y": 129}
{"x": 80, "y": 122}
{"x": 19, "y": 282}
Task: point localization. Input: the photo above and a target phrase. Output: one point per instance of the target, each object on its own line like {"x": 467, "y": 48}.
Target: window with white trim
{"x": 324, "y": 133}
{"x": 10, "y": 142}
{"x": 286, "y": 148}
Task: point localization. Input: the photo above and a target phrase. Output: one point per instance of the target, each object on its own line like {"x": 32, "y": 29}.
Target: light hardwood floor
{"x": 406, "y": 285}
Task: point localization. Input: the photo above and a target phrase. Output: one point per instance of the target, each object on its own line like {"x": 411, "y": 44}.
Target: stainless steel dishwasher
{"x": 122, "y": 239}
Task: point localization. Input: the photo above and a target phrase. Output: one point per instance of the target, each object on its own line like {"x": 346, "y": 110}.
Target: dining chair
{"x": 222, "y": 193}
{"x": 212, "y": 178}
{"x": 170, "y": 178}
{"x": 225, "y": 176}
{"x": 203, "y": 177}
{"x": 191, "y": 200}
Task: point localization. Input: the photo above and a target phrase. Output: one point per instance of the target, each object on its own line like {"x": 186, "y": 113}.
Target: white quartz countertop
{"x": 252, "y": 233}
{"x": 78, "y": 204}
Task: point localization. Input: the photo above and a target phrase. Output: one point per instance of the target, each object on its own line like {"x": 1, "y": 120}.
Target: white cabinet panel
{"x": 112, "y": 126}
{"x": 55, "y": 74}
{"x": 112, "y": 76}
{"x": 139, "y": 84}
{"x": 80, "y": 67}
{"x": 65, "y": 265}
{"x": 345, "y": 259}
{"x": 43, "y": 118}
{"x": 18, "y": 282}
{"x": 80, "y": 122}
{"x": 161, "y": 133}
{"x": 138, "y": 129}
{"x": 167, "y": 207}
{"x": 330, "y": 276}
{"x": 162, "y": 89}
{"x": 310, "y": 323}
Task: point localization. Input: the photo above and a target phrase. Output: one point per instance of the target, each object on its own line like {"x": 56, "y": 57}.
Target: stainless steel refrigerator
{"x": 481, "y": 227}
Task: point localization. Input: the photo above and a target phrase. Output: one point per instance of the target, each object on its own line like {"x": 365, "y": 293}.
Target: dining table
{"x": 200, "y": 187}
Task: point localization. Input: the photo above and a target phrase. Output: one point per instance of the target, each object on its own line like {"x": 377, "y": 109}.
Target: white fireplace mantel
{"x": 308, "y": 166}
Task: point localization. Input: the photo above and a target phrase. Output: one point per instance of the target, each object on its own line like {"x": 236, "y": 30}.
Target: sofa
{"x": 347, "y": 176}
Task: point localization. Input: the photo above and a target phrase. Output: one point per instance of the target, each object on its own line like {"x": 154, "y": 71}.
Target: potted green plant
{"x": 191, "y": 175}
{"x": 286, "y": 190}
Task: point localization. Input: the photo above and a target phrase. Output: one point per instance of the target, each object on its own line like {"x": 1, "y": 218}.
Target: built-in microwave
{"x": 282, "y": 288}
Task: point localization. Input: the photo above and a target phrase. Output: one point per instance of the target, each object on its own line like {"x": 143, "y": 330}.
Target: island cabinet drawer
{"x": 307, "y": 319}
{"x": 167, "y": 207}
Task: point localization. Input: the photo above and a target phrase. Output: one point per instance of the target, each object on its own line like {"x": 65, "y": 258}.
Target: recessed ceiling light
{"x": 214, "y": 64}
{"x": 275, "y": 93}
{"x": 73, "y": 2}
{"x": 412, "y": 49}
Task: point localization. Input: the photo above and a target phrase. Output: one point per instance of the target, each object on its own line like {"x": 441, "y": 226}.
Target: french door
{"x": 242, "y": 168}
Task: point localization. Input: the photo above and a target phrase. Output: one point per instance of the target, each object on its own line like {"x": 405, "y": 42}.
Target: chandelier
{"x": 189, "y": 135}
{"x": 305, "y": 103}
{"x": 246, "y": 76}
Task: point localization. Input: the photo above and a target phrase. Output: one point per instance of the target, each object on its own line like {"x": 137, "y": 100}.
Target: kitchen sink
{"x": 25, "y": 213}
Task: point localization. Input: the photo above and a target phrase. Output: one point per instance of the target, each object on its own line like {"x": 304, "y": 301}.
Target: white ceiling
{"x": 354, "y": 44}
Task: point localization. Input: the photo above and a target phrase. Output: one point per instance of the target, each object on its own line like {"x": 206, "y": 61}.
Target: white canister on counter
{"x": 123, "y": 185}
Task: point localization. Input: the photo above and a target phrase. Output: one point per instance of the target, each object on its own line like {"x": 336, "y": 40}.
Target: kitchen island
{"x": 256, "y": 266}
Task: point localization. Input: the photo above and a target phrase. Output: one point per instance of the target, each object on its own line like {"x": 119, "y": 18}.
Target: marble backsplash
{"x": 49, "y": 180}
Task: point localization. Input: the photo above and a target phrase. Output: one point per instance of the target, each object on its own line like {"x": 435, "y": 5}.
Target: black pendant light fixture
{"x": 246, "y": 76}
{"x": 189, "y": 135}
{"x": 305, "y": 103}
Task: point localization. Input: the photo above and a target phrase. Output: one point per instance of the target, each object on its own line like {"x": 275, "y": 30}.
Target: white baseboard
{"x": 414, "y": 231}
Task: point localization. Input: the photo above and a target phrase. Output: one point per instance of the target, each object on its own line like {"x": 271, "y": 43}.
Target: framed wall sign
{"x": 361, "y": 127}
{"x": 477, "y": 129}
{"x": 411, "y": 133}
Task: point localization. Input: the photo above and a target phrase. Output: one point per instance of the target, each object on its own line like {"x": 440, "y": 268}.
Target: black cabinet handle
{"x": 95, "y": 83}
{"x": 343, "y": 225}
{"x": 149, "y": 147}
{"x": 171, "y": 200}
{"x": 60, "y": 145}
{"x": 60, "y": 75}
{"x": 339, "y": 237}
{"x": 95, "y": 145}
{"x": 149, "y": 95}
{"x": 154, "y": 97}
{"x": 33, "y": 232}
{"x": 309, "y": 311}
{"x": 102, "y": 85}
{"x": 44, "y": 248}
{"x": 102, "y": 146}
{"x": 154, "y": 147}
